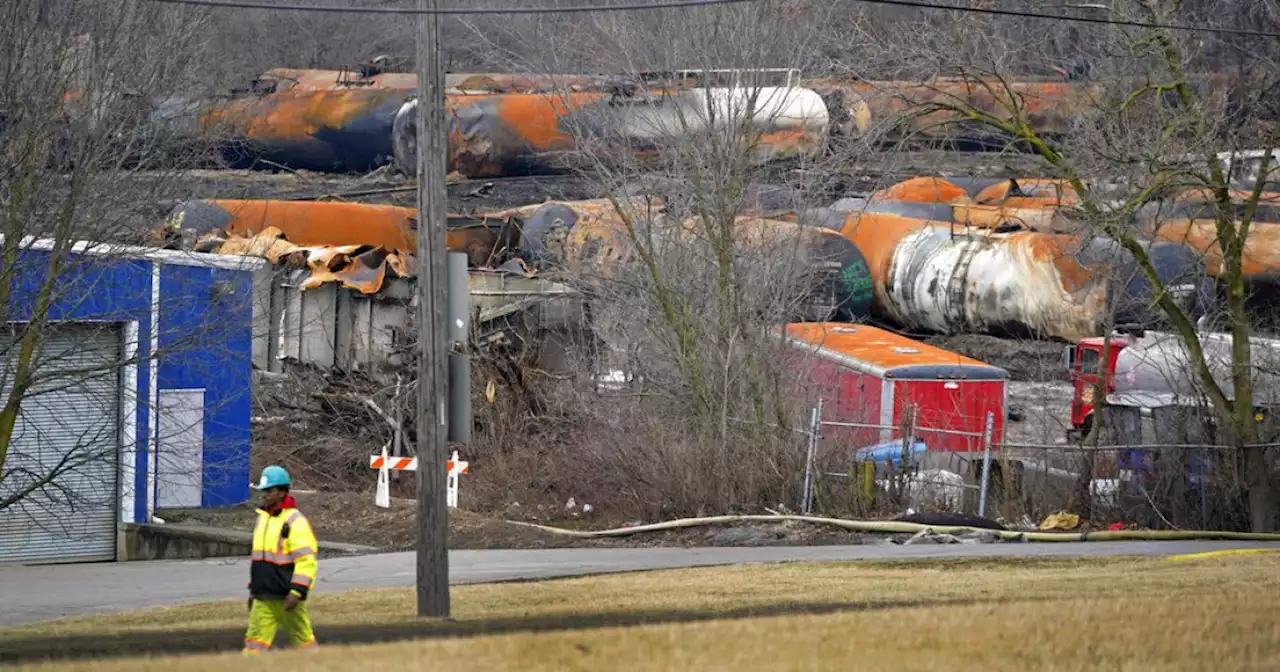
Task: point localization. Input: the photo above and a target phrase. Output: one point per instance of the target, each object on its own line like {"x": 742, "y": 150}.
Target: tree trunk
{"x": 1262, "y": 503}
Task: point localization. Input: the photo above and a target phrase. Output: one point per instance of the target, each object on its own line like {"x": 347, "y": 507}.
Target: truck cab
{"x": 1088, "y": 361}
{"x": 1146, "y": 370}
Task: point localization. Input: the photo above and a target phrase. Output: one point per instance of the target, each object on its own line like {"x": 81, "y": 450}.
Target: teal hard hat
{"x": 273, "y": 477}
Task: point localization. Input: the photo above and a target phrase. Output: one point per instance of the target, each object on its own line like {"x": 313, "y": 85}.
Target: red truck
{"x": 866, "y": 375}
{"x": 1147, "y": 370}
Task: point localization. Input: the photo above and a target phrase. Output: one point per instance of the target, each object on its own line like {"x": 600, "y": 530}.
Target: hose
{"x": 899, "y": 527}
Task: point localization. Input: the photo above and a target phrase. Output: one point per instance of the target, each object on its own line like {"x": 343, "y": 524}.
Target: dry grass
{"x": 1125, "y": 614}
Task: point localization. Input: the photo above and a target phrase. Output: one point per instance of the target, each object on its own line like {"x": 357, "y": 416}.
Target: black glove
{"x": 250, "y": 605}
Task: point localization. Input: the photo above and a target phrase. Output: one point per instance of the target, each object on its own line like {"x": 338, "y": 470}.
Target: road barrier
{"x": 385, "y": 465}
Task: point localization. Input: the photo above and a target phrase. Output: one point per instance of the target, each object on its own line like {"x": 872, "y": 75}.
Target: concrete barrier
{"x": 172, "y": 542}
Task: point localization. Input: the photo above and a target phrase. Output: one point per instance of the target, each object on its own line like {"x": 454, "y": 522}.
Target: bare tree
{"x": 87, "y": 90}
{"x": 706, "y": 141}
{"x": 1157, "y": 110}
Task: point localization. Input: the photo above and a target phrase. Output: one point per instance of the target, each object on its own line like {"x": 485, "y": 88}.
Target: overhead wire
{"x": 685, "y": 4}
{"x": 1071, "y": 18}
{"x": 343, "y": 9}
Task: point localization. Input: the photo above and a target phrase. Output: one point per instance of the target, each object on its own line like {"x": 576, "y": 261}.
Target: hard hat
{"x": 273, "y": 477}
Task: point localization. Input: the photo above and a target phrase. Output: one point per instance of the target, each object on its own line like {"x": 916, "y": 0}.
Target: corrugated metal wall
{"x": 69, "y": 425}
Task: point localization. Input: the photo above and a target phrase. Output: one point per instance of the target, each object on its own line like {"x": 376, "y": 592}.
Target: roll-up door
{"x": 69, "y": 425}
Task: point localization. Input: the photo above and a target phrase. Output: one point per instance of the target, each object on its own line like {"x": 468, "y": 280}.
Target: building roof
{"x": 887, "y": 354}
{"x": 170, "y": 257}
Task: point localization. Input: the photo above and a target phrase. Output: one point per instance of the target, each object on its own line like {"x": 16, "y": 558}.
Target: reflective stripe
{"x": 256, "y": 645}
{"x": 283, "y": 558}
{"x": 302, "y": 580}
{"x": 307, "y": 645}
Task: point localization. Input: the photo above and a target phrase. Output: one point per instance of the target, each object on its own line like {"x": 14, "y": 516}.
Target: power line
{"x": 340, "y": 9}
{"x": 1072, "y": 19}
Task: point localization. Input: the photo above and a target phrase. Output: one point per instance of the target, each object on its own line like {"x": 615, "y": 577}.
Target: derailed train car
{"x": 938, "y": 277}
{"x": 322, "y": 130}
{"x": 506, "y": 134}
{"x": 1189, "y": 218}
{"x": 486, "y": 241}
{"x": 499, "y": 134}
{"x": 360, "y": 129}
{"x": 829, "y": 275}
{"x": 1001, "y": 205}
{"x": 1183, "y": 217}
{"x": 503, "y": 124}
{"x": 1259, "y": 262}
{"x": 896, "y": 110}
{"x": 301, "y": 79}
{"x": 277, "y": 80}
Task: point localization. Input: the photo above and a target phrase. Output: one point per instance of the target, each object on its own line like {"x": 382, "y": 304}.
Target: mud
{"x": 1024, "y": 359}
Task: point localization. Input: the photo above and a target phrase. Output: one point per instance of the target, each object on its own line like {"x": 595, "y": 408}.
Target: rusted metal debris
{"x": 278, "y": 80}
{"x": 363, "y": 268}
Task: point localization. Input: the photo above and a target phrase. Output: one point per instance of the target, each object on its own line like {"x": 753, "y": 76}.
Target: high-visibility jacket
{"x": 284, "y": 555}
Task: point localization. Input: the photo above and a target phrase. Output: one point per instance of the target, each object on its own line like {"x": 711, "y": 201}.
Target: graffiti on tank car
{"x": 857, "y": 282}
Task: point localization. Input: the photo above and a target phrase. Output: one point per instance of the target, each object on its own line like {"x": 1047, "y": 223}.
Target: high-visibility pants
{"x": 267, "y": 616}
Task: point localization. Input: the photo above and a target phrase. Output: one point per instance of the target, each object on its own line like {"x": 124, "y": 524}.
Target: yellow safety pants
{"x": 267, "y": 616}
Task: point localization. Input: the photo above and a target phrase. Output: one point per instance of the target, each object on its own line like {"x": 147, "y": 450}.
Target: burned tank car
{"x": 834, "y": 282}
{"x": 1132, "y": 299}
{"x": 493, "y": 135}
{"x": 325, "y": 131}
{"x": 938, "y": 212}
{"x": 840, "y": 285}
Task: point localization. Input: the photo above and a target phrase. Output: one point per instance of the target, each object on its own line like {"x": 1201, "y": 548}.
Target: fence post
{"x": 908, "y": 438}
{"x": 986, "y": 465}
{"x": 868, "y": 485}
{"x": 806, "y": 491}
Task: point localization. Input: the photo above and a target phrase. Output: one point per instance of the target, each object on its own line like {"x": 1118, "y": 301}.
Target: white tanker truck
{"x": 1150, "y": 374}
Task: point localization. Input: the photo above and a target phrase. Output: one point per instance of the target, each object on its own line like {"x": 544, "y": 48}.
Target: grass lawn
{"x": 1215, "y": 612}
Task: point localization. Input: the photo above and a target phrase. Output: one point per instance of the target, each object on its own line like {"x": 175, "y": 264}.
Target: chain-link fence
{"x": 876, "y": 470}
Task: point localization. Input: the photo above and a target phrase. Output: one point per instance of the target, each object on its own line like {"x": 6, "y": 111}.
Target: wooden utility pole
{"x": 433, "y": 514}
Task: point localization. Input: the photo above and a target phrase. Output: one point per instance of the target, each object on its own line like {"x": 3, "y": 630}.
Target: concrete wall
{"x": 173, "y": 542}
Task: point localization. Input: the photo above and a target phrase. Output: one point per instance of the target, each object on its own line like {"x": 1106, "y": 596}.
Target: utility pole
{"x": 433, "y": 513}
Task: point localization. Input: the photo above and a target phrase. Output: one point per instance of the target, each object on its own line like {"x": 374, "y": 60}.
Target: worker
{"x": 283, "y": 570}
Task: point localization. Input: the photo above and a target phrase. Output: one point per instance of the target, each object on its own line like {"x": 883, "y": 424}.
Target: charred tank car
{"x": 832, "y": 282}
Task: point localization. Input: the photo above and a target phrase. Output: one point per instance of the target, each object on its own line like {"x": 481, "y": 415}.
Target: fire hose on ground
{"x": 902, "y": 527}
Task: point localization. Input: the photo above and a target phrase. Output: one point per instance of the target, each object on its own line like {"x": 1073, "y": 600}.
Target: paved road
{"x": 43, "y": 592}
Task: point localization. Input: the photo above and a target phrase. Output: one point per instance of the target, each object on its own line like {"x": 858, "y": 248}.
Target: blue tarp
{"x": 887, "y": 452}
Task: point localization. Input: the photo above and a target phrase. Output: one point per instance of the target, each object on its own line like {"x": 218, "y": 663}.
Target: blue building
{"x": 139, "y": 398}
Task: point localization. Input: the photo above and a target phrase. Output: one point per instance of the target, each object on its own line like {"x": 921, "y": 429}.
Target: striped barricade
{"x": 385, "y": 465}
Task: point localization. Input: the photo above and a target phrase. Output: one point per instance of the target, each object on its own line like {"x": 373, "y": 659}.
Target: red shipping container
{"x": 866, "y": 375}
